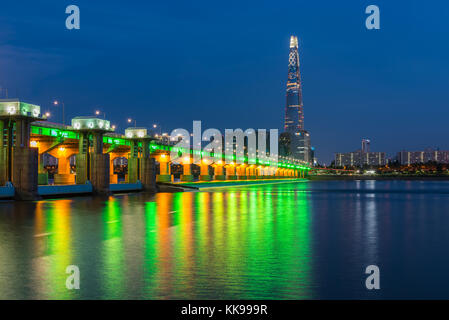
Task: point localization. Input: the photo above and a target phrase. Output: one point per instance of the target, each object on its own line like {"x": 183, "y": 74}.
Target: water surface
{"x": 309, "y": 240}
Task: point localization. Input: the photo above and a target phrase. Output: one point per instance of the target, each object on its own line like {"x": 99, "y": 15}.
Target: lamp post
{"x": 56, "y": 102}
{"x": 98, "y": 112}
{"x": 157, "y": 131}
{"x": 131, "y": 120}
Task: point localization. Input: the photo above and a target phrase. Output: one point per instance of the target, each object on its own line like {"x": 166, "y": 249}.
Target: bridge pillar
{"x": 141, "y": 167}
{"x": 112, "y": 176}
{"x": 252, "y": 171}
{"x": 218, "y": 172}
{"x": 230, "y": 172}
{"x": 261, "y": 172}
{"x": 164, "y": 169}
{"x": 148, "y": 174}
{"x": 3, "y": 155}
{"x": 133, "y": 163}
{"x": 18, "y": 161}
{"x": 99, "y": 166}
{"x": 82, "y": 159}
{"x": 147, "y": 168}
{"x": 241, "y": 172}
{"x": 91, "y": 163}
{"x": 24, "y": 162}
{"x": 187, "y": 170}
{"x": 64, "y": 176}
{"x": 204, "y": 172}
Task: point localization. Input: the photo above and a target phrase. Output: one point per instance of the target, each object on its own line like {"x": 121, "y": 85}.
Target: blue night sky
{"x": 225, "y": 63}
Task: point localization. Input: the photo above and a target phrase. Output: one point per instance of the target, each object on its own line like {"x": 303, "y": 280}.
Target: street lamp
{"x": 157, "y": 131}
{"x": 56, "y": 102}
{"x": 98, "y": 112}
{"x": 131, "y": 120}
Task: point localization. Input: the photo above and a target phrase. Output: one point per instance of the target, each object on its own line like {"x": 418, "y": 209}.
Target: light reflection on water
{"x": 289, "y": 241}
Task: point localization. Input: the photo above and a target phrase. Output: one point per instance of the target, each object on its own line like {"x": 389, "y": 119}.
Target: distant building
{"x": 297, "y": 146}
{"x": 360, "y": 158}
{"x": 412, "y": 157}
{"x": 365, "y": 145}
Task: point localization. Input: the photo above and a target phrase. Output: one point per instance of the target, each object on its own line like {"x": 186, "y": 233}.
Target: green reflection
{"x": 239, "y": 243}
{"x": 112, "y": 252}
{"x": 53, "y": 237}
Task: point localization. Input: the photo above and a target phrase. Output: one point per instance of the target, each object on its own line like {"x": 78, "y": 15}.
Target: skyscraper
{"x": 365, "y": 145}
{"x": 295, "y": 140}
{"x": 294, "y": 116}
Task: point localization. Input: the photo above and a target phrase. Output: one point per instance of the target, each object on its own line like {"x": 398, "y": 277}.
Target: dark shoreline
{"x": 360, "y": 177}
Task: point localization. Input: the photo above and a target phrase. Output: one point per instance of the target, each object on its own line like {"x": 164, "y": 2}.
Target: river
{"x": 306, "y": 240}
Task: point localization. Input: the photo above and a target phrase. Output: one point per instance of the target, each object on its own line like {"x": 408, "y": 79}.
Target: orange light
{"x": 33, "y": 144}
{"x": 62, "y": 149}
{"x": 186, "y": 160}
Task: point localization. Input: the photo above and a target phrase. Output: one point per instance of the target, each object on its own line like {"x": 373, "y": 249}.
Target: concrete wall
{"x": 3, "y": 165}
{"x": 133, "y": 170}
{"x": 99, "y": 172}
{"x": 24, "y": 172}
{"x": 81, "y": 168}
{"x": 148, "y": 174}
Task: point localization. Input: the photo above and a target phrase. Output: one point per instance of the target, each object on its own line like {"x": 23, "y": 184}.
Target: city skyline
{"x": 358, "y": 82}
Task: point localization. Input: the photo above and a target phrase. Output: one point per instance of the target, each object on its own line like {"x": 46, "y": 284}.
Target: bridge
{"x": 26, "y": 137}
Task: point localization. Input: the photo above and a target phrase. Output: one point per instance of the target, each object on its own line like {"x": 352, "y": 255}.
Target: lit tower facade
{"x": 294, "y": 116}
{"x": 295, "y": 140}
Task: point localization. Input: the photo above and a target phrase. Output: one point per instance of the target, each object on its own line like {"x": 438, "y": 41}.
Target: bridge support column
{"x": 63, "y": 176}
{"x": 112, "y": 176}
{"x": 42, "y": 176}
{"x": 241, "y": 172}
{"x": 22, "y": 160}
{"x": 3, "y": 155}
{"x": 204, "y": 172}
{"x": 187, "y": 172}
{"x": 24, "y": 173}
{"x": 148, "y": 174}
{"x": 252, "y": 172}
{"x": 164, "y": 169}
{"x": 99, "y": 165}
{"x": 147, "y": 168}
{"x": 230, "y": 172}
{"x": 260, "y": 171}
{"x": 218, "y": 172}
{"x": 93, "y": 167}
{"x": 133, "y": 163}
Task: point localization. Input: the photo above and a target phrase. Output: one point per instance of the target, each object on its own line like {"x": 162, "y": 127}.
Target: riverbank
{"x": 375, "y": 177}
